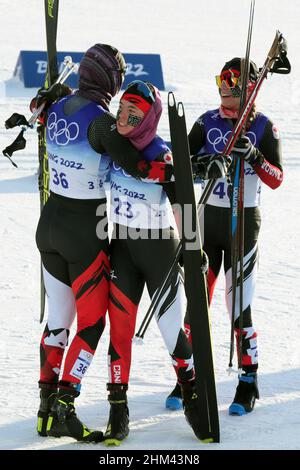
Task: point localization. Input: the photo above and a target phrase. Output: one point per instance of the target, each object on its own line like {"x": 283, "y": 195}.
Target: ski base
{"x": 195, "y": 281}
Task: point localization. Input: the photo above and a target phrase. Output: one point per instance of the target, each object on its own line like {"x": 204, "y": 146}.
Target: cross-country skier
{"x": 261, "y": 150}
{"x": 142, "y": 249}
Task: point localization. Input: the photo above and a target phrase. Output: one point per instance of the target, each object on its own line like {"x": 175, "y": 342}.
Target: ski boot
{"x": 174, "y": 400}
{"x": 190, "y": 407}
{"x": 63, "y": 421}
{"x": 47, "y": 395}
{"x": 245, "y": 396}
{"x": 118, "y": 423}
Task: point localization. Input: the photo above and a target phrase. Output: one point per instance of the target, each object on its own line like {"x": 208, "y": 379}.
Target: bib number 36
{"x": 60, "y": 179}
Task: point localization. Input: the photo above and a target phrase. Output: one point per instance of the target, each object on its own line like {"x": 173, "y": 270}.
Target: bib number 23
{"x": 123, "y": 208}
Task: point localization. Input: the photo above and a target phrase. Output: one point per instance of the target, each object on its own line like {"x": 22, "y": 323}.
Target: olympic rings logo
{"x": 61, "y": 132}
{"x": 218, "y": 140}
{"x": 118, "y": 168}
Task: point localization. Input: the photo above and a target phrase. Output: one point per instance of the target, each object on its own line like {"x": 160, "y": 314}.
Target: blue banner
{"x": 32, "y": 66}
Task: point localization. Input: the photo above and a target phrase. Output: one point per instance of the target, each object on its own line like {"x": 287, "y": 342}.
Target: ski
{"x": 237, "y": 213}
{"x": 195, "y": 280}
{"x": 51, "y": 17}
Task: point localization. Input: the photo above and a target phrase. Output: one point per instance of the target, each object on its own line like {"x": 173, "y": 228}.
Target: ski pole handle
{"x": 20, "y": 142}
{"x": 69, "y": 68}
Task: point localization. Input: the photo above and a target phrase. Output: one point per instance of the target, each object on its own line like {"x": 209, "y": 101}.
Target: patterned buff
{"x": 142, "y": 96}
{"x": 101, "y": 73}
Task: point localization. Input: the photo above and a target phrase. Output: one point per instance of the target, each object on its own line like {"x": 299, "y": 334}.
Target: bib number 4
{"x": 221, "y": 190}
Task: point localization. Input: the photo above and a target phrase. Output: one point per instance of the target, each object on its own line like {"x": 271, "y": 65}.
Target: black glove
{"x": 211, "y": 166}
{"x": 16, "y": 120}
{"x": 49, "y": 95}
{"x": 244, "y": 149}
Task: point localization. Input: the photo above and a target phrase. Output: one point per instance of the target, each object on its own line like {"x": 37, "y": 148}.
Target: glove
{"x": 49, "y": 95}
{"x": 244, "y": 149}
{"x": 211, "y": 166}
{"x": 16, "y": 120}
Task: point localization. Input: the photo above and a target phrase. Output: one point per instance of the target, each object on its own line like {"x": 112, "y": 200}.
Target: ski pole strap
{"x": 19, "y": 120}
{"x": 18, "y": 144}
{"x": 279, "y": 63}
{"x": 16, "y": 120}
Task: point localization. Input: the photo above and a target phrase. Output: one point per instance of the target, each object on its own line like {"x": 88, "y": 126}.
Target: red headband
{"x": 137, "y": 101}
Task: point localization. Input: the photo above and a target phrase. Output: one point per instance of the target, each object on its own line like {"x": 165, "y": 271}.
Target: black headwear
{"x": 101, "y": 73}
{"x": 235, "y": 63}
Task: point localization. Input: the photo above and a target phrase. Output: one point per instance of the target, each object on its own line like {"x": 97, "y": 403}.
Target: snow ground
{"x": 193, "y": 39}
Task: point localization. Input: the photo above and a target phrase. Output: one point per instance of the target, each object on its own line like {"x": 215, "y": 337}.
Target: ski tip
{"x": 171, "y": 99}
{"x": 210, "y": 440}
{"x": 180, "y": 109}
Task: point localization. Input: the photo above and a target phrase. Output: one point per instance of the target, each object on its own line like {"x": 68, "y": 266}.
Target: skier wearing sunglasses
{"x": 260, "y": 148}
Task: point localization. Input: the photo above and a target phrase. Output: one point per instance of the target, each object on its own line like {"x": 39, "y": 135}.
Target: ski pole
{"x": 19, "y": 120}
{"x": 237, "y": 221}
{"x": 157, "y": 296}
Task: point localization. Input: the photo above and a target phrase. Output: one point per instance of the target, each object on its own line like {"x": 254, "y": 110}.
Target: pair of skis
{"x": 195, "y": 280}
{"x": 51, "y": 18}
{"x": 238, "y": 213}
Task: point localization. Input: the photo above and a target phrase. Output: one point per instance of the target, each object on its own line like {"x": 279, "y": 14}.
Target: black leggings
{"x": 135, "y": 263}
{"x": 217, "y": 245}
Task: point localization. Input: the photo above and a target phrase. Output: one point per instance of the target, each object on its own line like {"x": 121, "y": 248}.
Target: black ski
{"x": 195, "y": 281}
{"x": 51, "y": 17}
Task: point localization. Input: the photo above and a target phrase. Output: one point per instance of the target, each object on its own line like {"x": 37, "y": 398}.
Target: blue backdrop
{"x": 32, "y": 66}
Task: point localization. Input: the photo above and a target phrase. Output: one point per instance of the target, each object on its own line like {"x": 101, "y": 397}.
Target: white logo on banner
{"x": 135, "y": 69}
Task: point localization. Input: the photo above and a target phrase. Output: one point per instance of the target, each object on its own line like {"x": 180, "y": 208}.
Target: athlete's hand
{"x": 211, "y": 166}
{"x": 49, "y": 95}
{"x": 244, "y": 149}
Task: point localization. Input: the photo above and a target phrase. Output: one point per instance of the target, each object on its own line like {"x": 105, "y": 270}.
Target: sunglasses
{"x": 231, "y": 78}
{"x": 143, "y": 89}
